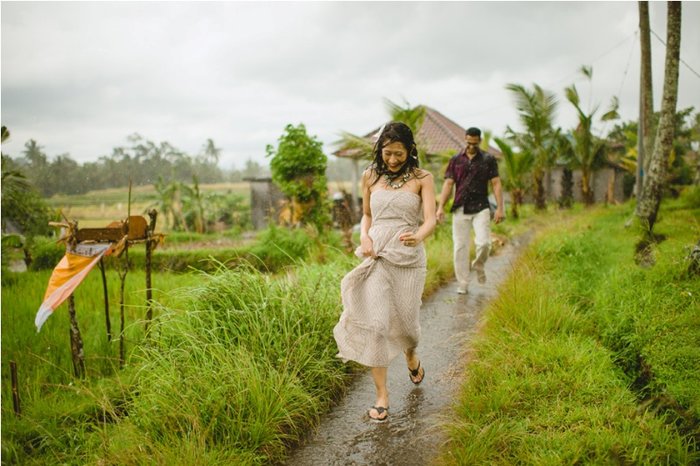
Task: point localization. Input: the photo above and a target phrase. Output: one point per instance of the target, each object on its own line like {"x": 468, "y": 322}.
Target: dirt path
{"x": 412, "y": 435}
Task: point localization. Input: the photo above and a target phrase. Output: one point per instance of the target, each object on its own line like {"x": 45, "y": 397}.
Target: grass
{"x": 96, "y": 209}
{"x": 234, "y": 372}
{"x": 585, "y": 357}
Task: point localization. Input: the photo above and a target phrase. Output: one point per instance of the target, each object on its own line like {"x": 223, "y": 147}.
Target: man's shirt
{"x": 471, "y": 178}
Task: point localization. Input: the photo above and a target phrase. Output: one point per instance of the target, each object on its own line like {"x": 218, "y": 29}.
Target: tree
{"x": 193, "y": 202}
{"x": 646, "y": 97}
{"x": 22, "y": 203}
{"x": 165, "y": 201}
{"x": 517, "y": 166}
{"x": 536, "y": 109}
{"x": 648, "y": 203}
{"x": 299, "y": 169}
{"x": 587, "y": 149}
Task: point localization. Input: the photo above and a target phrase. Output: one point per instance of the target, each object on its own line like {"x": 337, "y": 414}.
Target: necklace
{"x": 402, "y": 181}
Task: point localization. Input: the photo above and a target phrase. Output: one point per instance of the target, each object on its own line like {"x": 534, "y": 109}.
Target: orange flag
{"x": 67, "y": 275}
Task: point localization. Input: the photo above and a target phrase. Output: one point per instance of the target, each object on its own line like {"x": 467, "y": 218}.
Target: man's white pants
{"x": 461, "y": 231}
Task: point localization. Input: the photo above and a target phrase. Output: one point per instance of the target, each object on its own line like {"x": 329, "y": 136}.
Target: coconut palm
{"x": 516, "y": 170}
{"x": 587, "y": 150}
{"x": 536, "y": 109}
{"x": 648, "y": 203}
{"x": 194, "y": 201}
{"x": 166, "y": 199}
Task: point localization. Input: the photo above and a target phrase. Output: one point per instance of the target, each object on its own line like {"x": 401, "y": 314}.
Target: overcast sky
{"x": 81, "y": 77}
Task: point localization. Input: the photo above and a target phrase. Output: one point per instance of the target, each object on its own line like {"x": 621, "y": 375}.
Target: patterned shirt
{"x": 471, "y": 179}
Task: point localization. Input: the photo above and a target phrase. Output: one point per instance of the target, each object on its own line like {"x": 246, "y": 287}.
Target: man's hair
{"x": 474, "y": 132}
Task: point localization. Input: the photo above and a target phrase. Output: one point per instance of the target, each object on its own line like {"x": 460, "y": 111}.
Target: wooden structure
{"x": 266, "y": 201}
{"x": 121, "y": 235}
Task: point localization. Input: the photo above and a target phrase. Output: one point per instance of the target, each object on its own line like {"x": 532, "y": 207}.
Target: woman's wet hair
{"x": 395, "y": 131}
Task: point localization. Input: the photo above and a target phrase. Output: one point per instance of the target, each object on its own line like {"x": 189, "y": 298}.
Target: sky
{"x": 80, "y": 77}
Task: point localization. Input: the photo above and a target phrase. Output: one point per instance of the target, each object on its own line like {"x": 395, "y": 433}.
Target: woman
{"x": 382, "y": 296}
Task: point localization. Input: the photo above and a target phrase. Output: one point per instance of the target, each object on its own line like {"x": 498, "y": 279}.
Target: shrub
{"x": 278, "y": 247}
{"x": 45, "y": 252}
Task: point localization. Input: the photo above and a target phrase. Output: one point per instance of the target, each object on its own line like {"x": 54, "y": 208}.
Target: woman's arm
{"x": 427, "y": 193}
{"x": 366, "y": 243}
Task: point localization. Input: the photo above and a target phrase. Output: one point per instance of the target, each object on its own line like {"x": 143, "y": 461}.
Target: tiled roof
{"x": 437, "y": 134}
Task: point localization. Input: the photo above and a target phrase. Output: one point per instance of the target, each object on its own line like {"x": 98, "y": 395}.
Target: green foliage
{"x": 188, "y": 208}
{"x": 45, "y": 252}
{"x": 140, "y": 161}
{"x": 299, "y": 169}
{"x": 536, "y": 109}
{"x": 245, "y": 362}
{"x": 691, "y": 197}
{"x": 21, "y": 203}
{"x": 574, "y": 327}
{"x": 63, "y": 418}
{"x": 233, "y": 371}
{"x": 516, "y": 171}
{"x": 277, "y": 247}
{"x": 588, "y": 151}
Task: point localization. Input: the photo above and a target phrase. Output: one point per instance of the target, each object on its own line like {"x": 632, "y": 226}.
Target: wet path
{"x": 412, "y": 435}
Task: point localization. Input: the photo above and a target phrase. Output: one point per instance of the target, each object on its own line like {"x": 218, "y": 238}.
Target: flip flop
{"x": 380, "y": 410}
{"x": 413, "y": 373}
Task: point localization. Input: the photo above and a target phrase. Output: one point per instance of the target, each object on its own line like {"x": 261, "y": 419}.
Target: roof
{"x": 437, "y": 134}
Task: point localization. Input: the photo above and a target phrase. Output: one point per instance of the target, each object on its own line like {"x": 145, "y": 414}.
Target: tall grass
{"x": 238, "y": 366}
{"x": 579, "y": 347}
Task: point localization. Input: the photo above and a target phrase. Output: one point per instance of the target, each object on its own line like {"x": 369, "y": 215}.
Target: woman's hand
{"x": 367, "y": 247}
{"x": 410, "y": 239}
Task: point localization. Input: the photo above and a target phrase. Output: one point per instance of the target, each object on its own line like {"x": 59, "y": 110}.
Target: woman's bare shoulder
{"x": 423, "y": 174}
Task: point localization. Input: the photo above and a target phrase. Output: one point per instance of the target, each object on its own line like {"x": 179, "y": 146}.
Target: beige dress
{"x": 382, "y": 296}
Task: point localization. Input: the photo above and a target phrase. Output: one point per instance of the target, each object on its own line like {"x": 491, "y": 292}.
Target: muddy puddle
{"x": 412, "y": 435}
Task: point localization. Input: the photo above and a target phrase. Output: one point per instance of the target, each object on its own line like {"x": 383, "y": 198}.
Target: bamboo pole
{"x": 76, "y": 341}
{"x": 153, "y": 215}
{"x": 15, "y": 389}
{"x": 106, "y": 296}
{"x": 122, "y": 278}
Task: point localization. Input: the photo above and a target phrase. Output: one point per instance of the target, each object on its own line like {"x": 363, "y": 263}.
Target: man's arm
{"x": 500, "y": 215}
{"x": 445, "y": 196}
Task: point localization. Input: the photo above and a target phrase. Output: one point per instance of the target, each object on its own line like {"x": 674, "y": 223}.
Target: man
{"x": 469, "y": 172}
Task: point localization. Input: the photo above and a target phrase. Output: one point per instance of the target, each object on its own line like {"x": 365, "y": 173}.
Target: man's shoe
{"x": 461, "y": 291}
{"x": 480, "y": 272}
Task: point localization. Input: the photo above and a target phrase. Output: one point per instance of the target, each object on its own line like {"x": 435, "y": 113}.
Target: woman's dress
{"x": 382, "y": 296}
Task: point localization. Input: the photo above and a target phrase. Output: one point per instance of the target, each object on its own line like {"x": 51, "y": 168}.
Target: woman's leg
{"x": 379, "y": 376}
{"x": 414, "y": 364}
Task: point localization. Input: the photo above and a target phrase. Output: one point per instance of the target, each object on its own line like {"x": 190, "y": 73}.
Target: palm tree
{"x": 412, "y": 116}
{"x": 517, "y": 166}
{"x": 587, "y": 149}
{"x": 646, "y": 107}
{"x": 166, "y": 199}
{"x": 648, "y": 203}
{"x": 536, "y": 109}
{"x": 194, "y": 200}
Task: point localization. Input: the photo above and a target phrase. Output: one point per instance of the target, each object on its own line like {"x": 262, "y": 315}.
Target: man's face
{"x": 472, "y": 144}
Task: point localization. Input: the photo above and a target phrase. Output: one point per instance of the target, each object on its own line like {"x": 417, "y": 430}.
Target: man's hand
{"x": 499, "y": 216}
{"x": 440, "y": 214}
